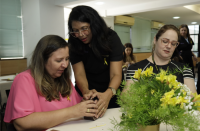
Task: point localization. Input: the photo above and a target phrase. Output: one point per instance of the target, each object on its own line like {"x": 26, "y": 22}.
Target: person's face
{"x": 164, "y": 46}
{"x": 183, "y": 31}
{"x": 58, "y": 62}
{"x": 82, "y": 31}
{"x": 128, "y": 51}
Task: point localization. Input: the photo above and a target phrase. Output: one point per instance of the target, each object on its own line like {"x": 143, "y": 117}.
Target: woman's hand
{"x": 195, "y": 58}
{"x": 104, "y": 99}
{"x": 132, "y": 62}
{"x": 127, "y": 63}
{"x": 86, "y": 108}
{"x": 88, "y": 94}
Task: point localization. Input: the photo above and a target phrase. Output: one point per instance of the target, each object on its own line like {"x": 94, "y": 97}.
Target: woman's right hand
{"x": 88, "y": 94}
{"x": 86, "y": 108}
{"x": 127, "y": 64}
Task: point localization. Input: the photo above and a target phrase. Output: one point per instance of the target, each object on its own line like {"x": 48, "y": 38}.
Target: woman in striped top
{"x": 164, "y": 44}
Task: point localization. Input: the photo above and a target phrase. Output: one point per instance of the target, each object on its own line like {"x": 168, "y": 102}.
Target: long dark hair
{"x": 45, "y": 85}
{"x": 99, "y": 30}
{"x": 128, "y": 45}
{"x": 188, "y": 31}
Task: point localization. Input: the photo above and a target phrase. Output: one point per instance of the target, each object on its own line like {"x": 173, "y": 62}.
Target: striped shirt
{"x": 181, "y": 75}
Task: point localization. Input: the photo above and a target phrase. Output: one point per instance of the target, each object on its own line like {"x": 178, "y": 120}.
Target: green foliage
{"x": 141, "y": 106}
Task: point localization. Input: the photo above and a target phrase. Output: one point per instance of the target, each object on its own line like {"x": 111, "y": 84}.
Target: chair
{"x": 10, "y": 127}
{"x": 3, "y": 107}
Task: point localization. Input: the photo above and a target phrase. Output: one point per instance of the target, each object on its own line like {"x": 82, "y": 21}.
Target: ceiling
{"x": 157, "y": 10}
{"x": 166, "y": 16}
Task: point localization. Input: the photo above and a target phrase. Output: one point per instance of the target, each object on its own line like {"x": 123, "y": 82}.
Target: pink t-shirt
{"x": 24, "y": 99}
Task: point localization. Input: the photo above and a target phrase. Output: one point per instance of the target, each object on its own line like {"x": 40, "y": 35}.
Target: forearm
{"x": 193, "y": 54}
{"x": 115, "y": 74}
{"x": 43, "y": 120}
{"x": 115, "y": 81}
{"x": 82, "y": 83}
{"x": 190, "y": 84}
{"x": 80, "y": 77}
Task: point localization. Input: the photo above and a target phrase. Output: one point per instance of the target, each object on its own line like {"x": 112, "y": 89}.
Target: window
{"x": 194, "y": 32}
{"x": 11, "y": 42}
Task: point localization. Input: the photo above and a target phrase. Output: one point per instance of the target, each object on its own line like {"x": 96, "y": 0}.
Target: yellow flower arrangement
{"x": 157, "y": 98}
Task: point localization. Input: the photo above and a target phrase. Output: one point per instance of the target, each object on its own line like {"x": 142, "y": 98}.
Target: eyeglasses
{"x": 83, "y": 30}
{"x": 166, "y": 41}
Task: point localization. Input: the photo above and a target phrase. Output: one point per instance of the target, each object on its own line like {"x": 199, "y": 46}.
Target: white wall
{"x": 109, "y": 21}
{"x": 40, "y": 18}
{"x": 51, "y": 18}
{"x": 31, "y": 25}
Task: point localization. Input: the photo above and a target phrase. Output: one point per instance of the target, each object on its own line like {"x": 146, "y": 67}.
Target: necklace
{"x": 156, "y": 65}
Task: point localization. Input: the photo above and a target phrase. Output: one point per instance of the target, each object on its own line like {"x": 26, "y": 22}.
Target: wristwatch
{"x": 113, "y": 90}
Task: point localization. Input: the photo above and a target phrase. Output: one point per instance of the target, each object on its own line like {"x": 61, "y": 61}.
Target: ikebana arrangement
{"x": 157, "y": 98}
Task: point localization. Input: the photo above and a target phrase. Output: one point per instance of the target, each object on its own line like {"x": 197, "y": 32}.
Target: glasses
{"x": 166, "y": 41}
{"x": 83, "y": 30}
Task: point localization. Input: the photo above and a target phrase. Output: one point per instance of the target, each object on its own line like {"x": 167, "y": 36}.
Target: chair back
{"x": 10, "y": 127}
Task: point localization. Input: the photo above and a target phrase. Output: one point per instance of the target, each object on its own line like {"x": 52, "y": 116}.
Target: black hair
{"x": 99, "y": 30}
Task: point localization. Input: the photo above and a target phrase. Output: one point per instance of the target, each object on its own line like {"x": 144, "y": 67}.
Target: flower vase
{"x": 150, "y": 128}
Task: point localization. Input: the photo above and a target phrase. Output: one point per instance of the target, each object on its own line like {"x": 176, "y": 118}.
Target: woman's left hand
{"x": 195, "y": 58}
{"x": 104, "y": 99}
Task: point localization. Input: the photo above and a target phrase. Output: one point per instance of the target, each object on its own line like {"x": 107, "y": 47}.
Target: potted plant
{"x": 154, "y": 99}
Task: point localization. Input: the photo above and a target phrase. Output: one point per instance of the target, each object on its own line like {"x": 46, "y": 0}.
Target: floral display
{"x": 157, "y": 98}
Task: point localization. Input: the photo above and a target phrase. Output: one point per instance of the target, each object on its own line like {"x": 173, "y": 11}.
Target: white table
{"x": 101, "y": 124}
{"x": 5, "y": 85}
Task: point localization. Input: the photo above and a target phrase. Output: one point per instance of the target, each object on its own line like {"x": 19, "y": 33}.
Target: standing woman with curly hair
{"x": 96, "y": 54}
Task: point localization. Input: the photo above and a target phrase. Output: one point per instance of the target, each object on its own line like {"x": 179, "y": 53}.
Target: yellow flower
{"x": 181, "y": 100}
{"x": 175, "y": 84}
{"x": 196, "y": 97}
{"x": 169, "y": 94}
{"x": 182, "y": 105}
{"x": 152, "y": 91}
{"x": 184, "y": 92}
{"x": 148, "y": 71}
{"x": 163, "y": 72}
{"x": 130, "y": 115}
{"x": 137, "y": 74}
{"x": 171, "y": 78}
{"x": 162, "y": 76}
{"x": 167, "y": 99}
{"x": 172, "y": 101}
{"x": 198, "y": 105}
{"x": 164, "y": 101}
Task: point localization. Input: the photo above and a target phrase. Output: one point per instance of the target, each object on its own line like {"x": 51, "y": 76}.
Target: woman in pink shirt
{"x": 43, "y": 96}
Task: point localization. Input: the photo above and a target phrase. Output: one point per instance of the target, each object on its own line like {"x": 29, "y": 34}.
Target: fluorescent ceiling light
{"x": 12, "y": 58}
{"x": 19, "y": 16}
{"x": 99, "y": 3}
{"x": 176, "y": 17}
{"x": 193, "y": 22}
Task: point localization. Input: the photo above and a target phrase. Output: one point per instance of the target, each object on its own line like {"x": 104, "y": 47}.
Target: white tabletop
{"x": 101, "y": 124}
{"x": 5, "y": 85}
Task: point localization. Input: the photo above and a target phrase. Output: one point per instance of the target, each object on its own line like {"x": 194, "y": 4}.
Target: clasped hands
{"x": 102, "y": 101}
